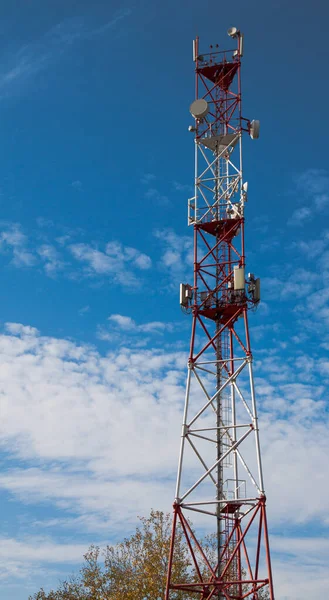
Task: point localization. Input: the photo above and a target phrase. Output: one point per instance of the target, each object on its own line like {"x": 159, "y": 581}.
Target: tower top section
{"x": 219, "y": 66}
{"x": 220, "y": 191}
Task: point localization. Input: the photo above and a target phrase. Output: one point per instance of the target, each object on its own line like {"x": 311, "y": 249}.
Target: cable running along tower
{"x": 220, "y": 481}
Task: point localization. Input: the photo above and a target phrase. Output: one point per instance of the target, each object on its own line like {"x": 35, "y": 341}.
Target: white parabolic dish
{"x": 199, "y": 108}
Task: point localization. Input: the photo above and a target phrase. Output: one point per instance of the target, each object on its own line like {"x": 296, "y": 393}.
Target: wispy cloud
{"x": 44, "y": 223}
{"x": 28, "y": 60}
{"x": 147, "y": 178}
{"x": 119, "y": 16}
{"x": 260, "y": 223}
{"x": 313, "y": 182}
{"x": 182, "y": 187}
{"x": 313, "y": 188}
{"x": 312, "y": 248}
{"x": 28, "y": 556}
{"x": 177, "y": 254}
{"x": 14, "y": 241}
{"x": 152, "y": 192}
{"x": 72, "y": 30}
{"x": 77, "y": 185}
{"x": 295, "y": 283}
{"x": 51, "y": 259}
{"x": 127, "y": 324}
{"x": 300, "y": 215}
{"x": 123, "y": 265}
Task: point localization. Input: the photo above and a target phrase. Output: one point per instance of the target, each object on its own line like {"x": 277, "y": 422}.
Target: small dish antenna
{"x": 254, "y": 130}
{"x": 233, "y": 32}
{"x": 199, "y": 108}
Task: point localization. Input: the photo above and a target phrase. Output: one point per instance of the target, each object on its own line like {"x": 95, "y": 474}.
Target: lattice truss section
{"x": 237, "y": 422}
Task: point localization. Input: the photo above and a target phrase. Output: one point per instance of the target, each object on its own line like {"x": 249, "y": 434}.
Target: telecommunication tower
{"x": 220, "y": 479}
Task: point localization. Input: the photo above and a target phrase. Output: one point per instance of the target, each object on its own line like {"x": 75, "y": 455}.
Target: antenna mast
{"x": 220, "y": 479}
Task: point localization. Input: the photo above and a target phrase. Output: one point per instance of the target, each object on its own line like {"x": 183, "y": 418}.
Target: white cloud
{"x": 318, "y": 299}
{"x": 29, "y": 560}
{"x": 313, "y": 182}
{"x": 302, "y": 572}
{"x": 312, "y": 248}
{"x": 295, "y": 289}
{"x": 98, "y": 261}
{"x": 177, "y": 255}
{"x": 91, "y": 385}
{"x": 13, "y": 236}
{"x": 258, "y": 332}
{"x": 128, "y": 324}
{"x": 62, "y": 240}
{"x": 271, "y": 243}
{"x": 116, "y": 261}
{"x": 93, "y": 432}
{"x": 148, "y": 178}
{"x": 321, "y": 202}
{"x": 44, "y": 223}
{"x": 127, "y": 254}
{"x": 21, "y": 330}
{"x": 300, "y": 215}
{"x": 38, "y": 549}
{"x": 51, "y": 258}
{"x": 23, "y": 258}
{"x": 15, "y": 242}
{"x": 122, "y": 321}
{"x": 142, "y": 261}
{"x": 154, "y": 194}
{"x": 182, "y": 187}
{"x": 155, "y": 327}
{"x": 111, "y": 413}
{"x": 122, "y": 264}
{"x": 77, "y": 185}
{"x": 294, "y": 283}
{"x": 313, "y": 185}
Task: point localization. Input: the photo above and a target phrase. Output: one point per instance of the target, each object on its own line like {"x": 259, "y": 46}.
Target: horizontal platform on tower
{"x": 221, "y": 74}
{"x": 225, "y": 313}
{"x": 220, "y": 143}
{"x": 221, "y": 227}
{"x": 231, "y": 507}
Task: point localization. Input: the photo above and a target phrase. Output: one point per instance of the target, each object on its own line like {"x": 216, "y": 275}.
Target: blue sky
{"x": 96, "y": 168}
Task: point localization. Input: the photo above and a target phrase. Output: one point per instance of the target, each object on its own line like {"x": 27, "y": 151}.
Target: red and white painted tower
{"x": 220, "y": 480}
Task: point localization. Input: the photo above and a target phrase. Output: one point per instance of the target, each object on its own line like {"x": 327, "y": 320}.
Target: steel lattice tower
{"x": 220, "y": 480}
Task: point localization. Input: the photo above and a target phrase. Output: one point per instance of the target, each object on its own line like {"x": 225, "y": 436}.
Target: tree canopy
{"x": 134, "y": 569}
